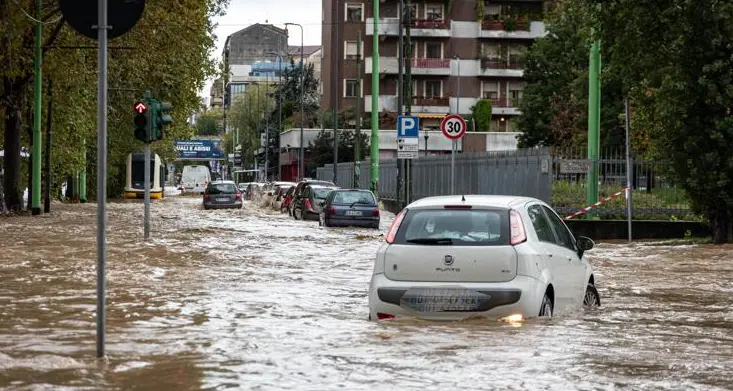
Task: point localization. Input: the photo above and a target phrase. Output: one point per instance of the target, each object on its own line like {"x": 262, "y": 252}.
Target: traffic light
{"x": 161, "y": 118}
{"x": 142, "y": 121}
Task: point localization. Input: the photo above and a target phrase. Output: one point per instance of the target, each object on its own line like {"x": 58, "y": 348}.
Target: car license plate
{"x": 353, "y": 213}
{"x": 443, "y": 299}
{"x": 224, "y": 199}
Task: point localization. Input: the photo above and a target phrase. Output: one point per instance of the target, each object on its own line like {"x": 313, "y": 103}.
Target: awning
{"x": 431, "y": 116}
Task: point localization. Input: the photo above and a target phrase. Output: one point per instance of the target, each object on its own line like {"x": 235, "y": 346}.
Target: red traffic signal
{"x": 140, "y": 107}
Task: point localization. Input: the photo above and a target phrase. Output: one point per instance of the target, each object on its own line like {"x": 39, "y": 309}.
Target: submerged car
{"x": 308, "y": 206}
{"x": 350, "y": 207}
{"x": 222, "y": 194}
{"x": 502, "y": 257}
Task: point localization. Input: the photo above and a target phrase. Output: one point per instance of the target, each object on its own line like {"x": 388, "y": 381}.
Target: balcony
{"x": 512, "y": 28}
{"x": 419, "y": 27}
{"x": 504, "y": 106}
{"x": 497, "y": 67}
{"x": 430, "y": 105}
{"x": 420, "y": 66}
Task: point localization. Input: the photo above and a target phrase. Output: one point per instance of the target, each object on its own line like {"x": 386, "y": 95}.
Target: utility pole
{"x": 357, "y": 132}
{"x": 594, "y": 120}
{"x": 83, "y": 174}
{"x": 374, "y": 142}
{"x": 267, "y": 127}
{"x": 336, "y": 96}
{"x": 36, "y": 155}
{"x": 400, "y": 91}
{"x": 408, "y": 86}
{"x": 49, "y": 121}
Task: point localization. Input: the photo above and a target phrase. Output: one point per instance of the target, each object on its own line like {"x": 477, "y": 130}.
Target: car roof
{"x": 498, "y": 201}
{"x": 222, "y": 181}
{"x": 324, "y": 187}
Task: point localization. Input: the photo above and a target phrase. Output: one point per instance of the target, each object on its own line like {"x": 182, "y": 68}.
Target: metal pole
{"x": 101, "y": 171}
{"x": 454, "y": 144}
{"x": 36, "y": 156}
{"x": 146, "y": 222}
{"x": 279, "y": 106}
{"x": 374, "y": 142}
{"x": 336, "y": 96}
{"x": 629, "y": 209}
{"x": 357, "y": 133}
{"x": 49, "y": 121}
{"x": 83, "y": 174}
{"x": 594, "y": 68}
{"x": 400, "y": 91}
{"x": 301, "y": 166}
{"x": 267, "y": 128}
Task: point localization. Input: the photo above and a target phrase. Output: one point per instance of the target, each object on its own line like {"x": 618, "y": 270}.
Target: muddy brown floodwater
{"x": 250, "y": 299}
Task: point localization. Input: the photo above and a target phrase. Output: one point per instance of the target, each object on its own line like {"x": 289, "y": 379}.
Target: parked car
{"x": 504, "y": 257}
{"x": 299, "y": 190}
{"x": 253, "y": 190}
{"x": 308, "y": 205}
{"x": 222, "y": 194}
{"x": 350, "y": 207}
{"x": 278, "y": 193}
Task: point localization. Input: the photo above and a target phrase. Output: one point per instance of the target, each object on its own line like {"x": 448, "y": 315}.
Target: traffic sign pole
{"x": 453, "y": 127}
{"x": 101, "y": 172}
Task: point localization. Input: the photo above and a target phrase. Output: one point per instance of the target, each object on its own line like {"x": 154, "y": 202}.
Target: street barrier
{"x": 597, "y": 204}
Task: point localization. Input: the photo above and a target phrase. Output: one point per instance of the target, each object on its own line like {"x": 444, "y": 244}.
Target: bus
{"x": 135, "y": 182}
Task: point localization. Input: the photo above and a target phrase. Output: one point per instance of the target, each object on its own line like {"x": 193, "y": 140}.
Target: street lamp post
{"x": 279, "y": 105}
{"x": 302, "y": 101}
{"x": 426, "y": 143}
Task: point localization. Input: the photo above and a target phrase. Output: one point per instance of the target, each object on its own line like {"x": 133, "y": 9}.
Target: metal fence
{"x": 557, "y": 176}
{"x": 653, "y": 194}
{"x": 522, "y": 172}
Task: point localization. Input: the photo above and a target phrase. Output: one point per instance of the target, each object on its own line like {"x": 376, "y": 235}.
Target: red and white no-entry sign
{"x": 453, "y": 126}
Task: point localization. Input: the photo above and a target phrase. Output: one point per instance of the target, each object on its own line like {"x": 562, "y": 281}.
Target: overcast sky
{"x": 242, "y": 13}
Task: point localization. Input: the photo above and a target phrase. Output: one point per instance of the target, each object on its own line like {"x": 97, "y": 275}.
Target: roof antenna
{"x": 463, "y": 198}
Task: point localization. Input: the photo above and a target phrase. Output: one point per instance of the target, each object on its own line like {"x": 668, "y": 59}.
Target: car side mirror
{"x": 584, "y": 244}
{"x": 270, "y": 193}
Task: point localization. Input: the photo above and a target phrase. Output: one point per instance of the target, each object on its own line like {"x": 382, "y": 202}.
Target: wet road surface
{"x": 251, "y": 299}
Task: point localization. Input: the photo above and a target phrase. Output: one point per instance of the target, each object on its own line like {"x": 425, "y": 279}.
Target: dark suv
{"x": 222, "y": 194}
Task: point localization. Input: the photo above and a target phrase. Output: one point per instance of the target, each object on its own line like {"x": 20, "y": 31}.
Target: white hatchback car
{"x": 503, "y": 257}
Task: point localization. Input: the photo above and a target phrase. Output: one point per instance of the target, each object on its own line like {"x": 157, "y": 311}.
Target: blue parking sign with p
{"x": 408, "y": 126}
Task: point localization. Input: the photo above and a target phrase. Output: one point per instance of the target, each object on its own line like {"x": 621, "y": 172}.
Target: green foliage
{"x": 322, "y": 148}
{"x": 481, "y": 113}
{"x": 480, "y": 10}
{"x": 678, "y": 69}
{"x": 247, "y": 117}
{"x": 210, "y": 122}
{"x": 171, "y": 57}
{"x": 555, "y": 100}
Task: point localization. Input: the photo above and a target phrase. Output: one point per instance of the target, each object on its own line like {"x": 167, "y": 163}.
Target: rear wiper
{"x": 430, "y": 241}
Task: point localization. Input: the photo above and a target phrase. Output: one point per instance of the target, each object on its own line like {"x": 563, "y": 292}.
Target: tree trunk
{"x": 11, "y": 163}
{"x": 721, "y": 224}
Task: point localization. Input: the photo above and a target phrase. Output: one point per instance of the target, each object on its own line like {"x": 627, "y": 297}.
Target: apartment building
{"x": 457, "y": 45}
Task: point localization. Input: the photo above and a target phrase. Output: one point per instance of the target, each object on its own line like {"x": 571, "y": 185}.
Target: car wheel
{"x": 206, "y": 207}
{"x": 375, "y": 225}
{"x": 592, "y": 298}
{"x": 546, "y": 307}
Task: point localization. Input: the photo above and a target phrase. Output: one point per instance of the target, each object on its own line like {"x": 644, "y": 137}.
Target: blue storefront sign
{"x": 209, "y": 149}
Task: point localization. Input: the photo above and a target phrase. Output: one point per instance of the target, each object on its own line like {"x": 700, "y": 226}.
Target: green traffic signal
{"x": 160, "y": 118}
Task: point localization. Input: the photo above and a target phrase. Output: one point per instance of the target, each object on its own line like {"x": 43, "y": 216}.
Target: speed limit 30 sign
{"x": 453, "y": 126}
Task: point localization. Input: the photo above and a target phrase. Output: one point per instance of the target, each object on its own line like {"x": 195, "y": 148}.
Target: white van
{"x": 194, "y": 179}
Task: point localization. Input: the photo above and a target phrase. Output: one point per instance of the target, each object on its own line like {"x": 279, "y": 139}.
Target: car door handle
{"x": 549, "y": 255}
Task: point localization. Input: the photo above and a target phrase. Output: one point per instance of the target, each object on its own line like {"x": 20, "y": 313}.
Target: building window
{"x": 490, "y": 90}
{"x": 433, "y": 89}
{"x": 434, "y": 11}
{"x": 354, "y": 12}
{"x": 433, "y": 50}
{"x": 350, "y": 88}
{"x": 490, "y": 51}
{"x": 350, "y": 50}
{"x": 515, "y": 92}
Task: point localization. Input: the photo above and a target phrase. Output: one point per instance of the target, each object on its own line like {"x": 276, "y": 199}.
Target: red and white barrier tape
{"x": 597, "y": 204}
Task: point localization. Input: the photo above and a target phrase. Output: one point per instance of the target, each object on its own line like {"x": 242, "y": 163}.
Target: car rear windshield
{"x": 354, "y": 197}
{"x": 458, "y": 227}
{"x": 221, "y": 188}
{"x": 321, "y": 192}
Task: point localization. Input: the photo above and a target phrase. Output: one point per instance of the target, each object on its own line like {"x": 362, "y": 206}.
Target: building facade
{"x": 457, "y": 46}
{"x": 312, "y": 55}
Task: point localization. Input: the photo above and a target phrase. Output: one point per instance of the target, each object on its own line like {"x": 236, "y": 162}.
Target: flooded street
{"x": 251, "y": 299}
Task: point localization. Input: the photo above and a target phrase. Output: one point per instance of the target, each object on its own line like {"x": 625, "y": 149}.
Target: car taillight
{"x": 238, "y": 196}
{"x": 331, "y": 211}
{"x": 517, "y": 226}
{"x": 308, "y": 205}
{"x": 206, "y": 196}
{"x": 375, "y": 212}
{"x": 394, "y": 227}
{"x": 382, "y": 316}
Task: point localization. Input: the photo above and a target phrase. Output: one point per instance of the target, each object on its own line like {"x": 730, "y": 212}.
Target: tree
{"x": 289, "y": 92}
{"x": 210, "y": 122}
{"x": 677, "y": 68}
{"x": 554, "y": 103}
{"x": 322, "y": 148}
{"x": 481, "y": 113}
{"x": 171, "y": 59}
{"x": 247, "y": 117}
